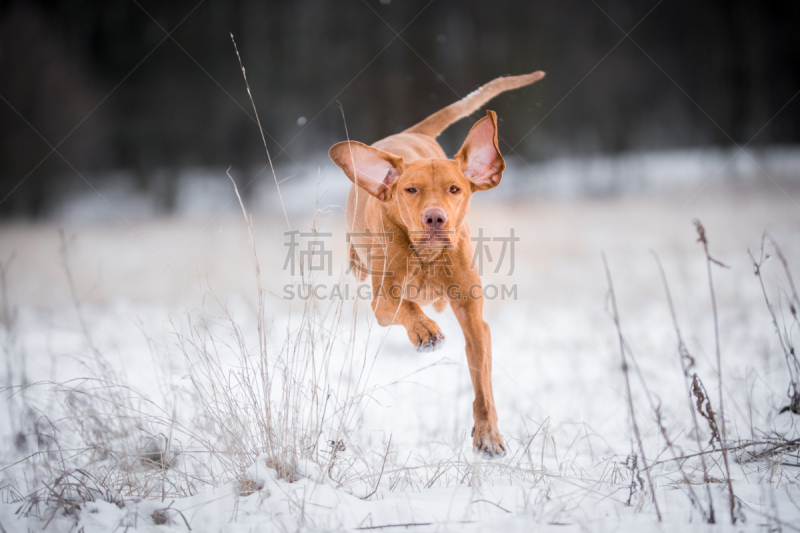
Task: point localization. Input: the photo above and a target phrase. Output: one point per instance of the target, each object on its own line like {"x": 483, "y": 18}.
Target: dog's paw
{"x": 426, "y": 336}
{"x": 488, "y": 443}
{"x": 433, "y": 343}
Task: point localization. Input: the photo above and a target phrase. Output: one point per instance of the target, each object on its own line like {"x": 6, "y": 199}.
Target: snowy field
{"x": 149, "y": 387}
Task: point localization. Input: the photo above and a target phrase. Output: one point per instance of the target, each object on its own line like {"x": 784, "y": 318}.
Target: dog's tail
{"x": 439, "y": 121}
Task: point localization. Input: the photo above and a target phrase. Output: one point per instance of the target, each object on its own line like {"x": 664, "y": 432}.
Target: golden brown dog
{"x": 409, "y": 234}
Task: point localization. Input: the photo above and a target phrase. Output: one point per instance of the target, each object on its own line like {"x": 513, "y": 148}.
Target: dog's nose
{"x": 434, "y": 218}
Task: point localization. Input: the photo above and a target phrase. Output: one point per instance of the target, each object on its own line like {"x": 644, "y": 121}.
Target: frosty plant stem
{"x": 784, "y": 333}
{"x": 701, "y": 237}
{"x": 687, "y": 363}
{"x": 615, "y": 316}
{"x": 261, "y": 130}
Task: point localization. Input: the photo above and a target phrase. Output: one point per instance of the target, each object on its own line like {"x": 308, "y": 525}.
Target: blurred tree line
{"x": 104, "y": 77}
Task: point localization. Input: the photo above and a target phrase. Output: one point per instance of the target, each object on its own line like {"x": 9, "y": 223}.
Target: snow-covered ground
{"x": 378, "y": 434}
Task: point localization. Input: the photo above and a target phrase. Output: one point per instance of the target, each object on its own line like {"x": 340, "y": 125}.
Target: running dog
{"x": 407, "y": 231}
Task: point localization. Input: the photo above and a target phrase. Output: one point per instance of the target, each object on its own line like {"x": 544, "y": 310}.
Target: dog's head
{"x": 430, "y": 197}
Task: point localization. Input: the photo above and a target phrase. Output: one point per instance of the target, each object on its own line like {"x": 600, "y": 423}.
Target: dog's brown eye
{"x": 454, "y": 189}
{"x": 412, "y": 190}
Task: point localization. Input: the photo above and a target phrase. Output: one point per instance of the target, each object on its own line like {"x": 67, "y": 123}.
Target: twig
{"x": 784, "y": 336}
{"x": 496, "y": 505}
{"x": 412, "y": 524}
{"x": 782, "y": 445}
{"x": 701, "y": 232}
{"x": 615, "y": 316}
{"x": 261, "y": 130}
{"x": 169, "y": 508}
{"x": 687, "y": 363}
{"x": 377, "y": 483}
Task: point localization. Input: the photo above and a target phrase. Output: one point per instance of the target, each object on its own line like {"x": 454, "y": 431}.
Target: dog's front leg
{"x": 486, "y": 438}
{"x": 423, "y": 332}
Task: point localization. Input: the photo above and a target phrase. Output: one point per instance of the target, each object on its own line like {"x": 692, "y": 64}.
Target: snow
{"x": 404, "y": 418}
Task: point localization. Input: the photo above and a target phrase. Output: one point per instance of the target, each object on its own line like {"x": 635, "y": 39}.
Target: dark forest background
{"x": 103, "y": 82}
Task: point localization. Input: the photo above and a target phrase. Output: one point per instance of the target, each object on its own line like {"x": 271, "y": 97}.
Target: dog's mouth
{"x": 433, "y": 238}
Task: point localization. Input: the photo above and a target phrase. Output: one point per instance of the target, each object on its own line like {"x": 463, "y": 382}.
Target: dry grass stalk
{"x": 377, "y": 483}
{"x": 687, "y": 364}
{"x": 615, "y": 317}
{"x": 783, "y": 330}
{"x": 247, "y": 486}
{"x": 722, "y": 435}
{"x": 705, "y": 409}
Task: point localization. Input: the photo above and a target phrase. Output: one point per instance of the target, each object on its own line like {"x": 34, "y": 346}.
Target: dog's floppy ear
{"x": 371, "y": 169}
{"x": 480, "y": 157}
